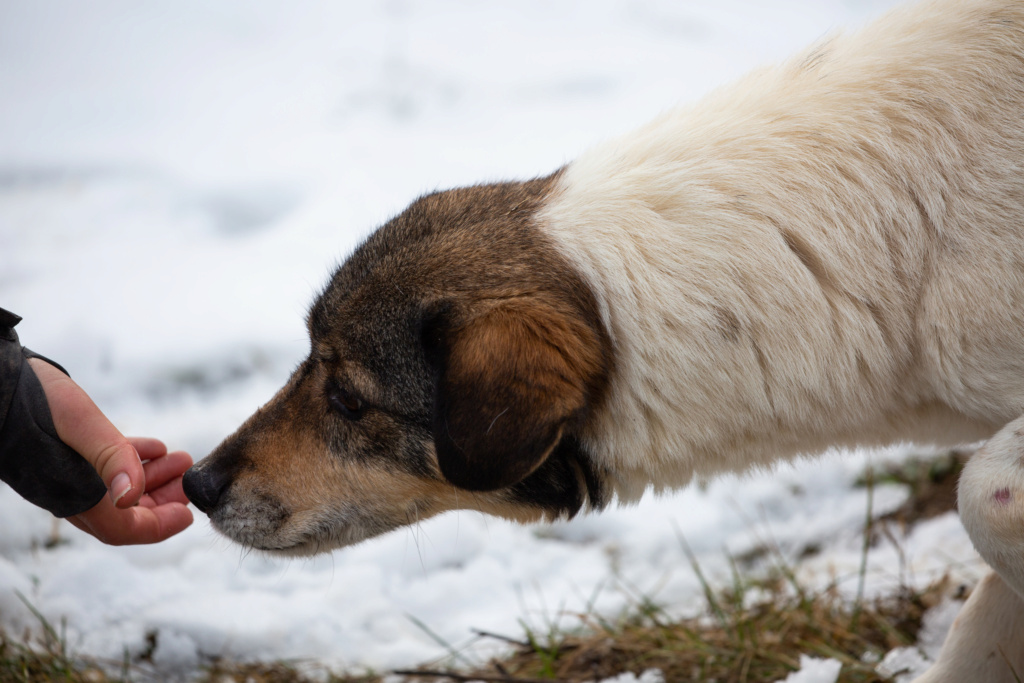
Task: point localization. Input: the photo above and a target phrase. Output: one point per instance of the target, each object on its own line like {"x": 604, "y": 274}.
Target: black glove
{"x": 33, "y": 459}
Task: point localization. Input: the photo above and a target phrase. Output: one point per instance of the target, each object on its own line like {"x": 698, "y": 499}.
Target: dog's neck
{"x": 774, "y": 284}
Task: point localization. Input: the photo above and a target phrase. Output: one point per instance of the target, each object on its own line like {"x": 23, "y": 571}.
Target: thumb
{"x": 83, "y": 427}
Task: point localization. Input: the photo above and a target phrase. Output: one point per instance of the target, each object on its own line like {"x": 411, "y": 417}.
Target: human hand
{"x": 145, "y": 503}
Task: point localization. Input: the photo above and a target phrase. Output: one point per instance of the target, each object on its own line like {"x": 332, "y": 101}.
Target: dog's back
{"x": 827, "y": 252}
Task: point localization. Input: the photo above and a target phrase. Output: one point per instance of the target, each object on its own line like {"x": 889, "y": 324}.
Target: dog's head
{"x": 453, "y": 359}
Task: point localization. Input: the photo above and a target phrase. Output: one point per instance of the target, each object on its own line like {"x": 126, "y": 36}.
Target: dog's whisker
{"x": 417, "y": 531}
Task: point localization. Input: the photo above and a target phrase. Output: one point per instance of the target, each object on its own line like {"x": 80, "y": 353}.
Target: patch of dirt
{"x": 932, "y": 483}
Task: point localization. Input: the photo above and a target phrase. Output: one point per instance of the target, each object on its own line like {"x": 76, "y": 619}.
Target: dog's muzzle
{"x": 205, "y": 486}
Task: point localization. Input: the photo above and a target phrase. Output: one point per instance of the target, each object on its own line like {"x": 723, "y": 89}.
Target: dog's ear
{"x": 509, "y": 380}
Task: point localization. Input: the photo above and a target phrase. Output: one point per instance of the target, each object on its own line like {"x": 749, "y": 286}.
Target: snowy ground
{"x": 177, "y": 180}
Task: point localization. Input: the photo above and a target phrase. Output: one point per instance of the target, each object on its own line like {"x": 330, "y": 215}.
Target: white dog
{"x": 829, "y": 252}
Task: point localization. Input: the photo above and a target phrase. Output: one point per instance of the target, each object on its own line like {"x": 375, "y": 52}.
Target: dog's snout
{"x": 204, "y": 486}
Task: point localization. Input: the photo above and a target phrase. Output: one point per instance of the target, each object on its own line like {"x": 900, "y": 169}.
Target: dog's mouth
{"x": 301, "y": 506}
{"x": 293, "y": 535}
{"x": 262, "y": 522}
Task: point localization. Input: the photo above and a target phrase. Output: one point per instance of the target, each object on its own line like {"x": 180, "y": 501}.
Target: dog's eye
{"x": 344, "y": 403}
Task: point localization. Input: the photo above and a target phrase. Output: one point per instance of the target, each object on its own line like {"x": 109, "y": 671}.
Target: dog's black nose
{"x": 204, "y": 486}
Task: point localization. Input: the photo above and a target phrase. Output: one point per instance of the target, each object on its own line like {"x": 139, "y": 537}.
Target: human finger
{"x": 147, "y": 447}
{"x": 171, "y": 492}
{"x": 166, "y": 468}
{"x": 137, "y": 525}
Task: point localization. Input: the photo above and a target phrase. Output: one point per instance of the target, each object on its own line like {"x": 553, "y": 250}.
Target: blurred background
{"x": 177, "y": 182}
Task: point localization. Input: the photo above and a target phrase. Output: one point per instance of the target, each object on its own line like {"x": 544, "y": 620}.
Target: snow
{"x": 178, "y": 179}
{"x": 649, "y": 676}
{"x": 904, "y": 664}
{"x": 815, "y": 670}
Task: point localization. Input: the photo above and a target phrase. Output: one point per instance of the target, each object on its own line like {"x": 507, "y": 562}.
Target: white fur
{"x": 984, "y": 642}
{"x": 991, "y": 503}
{"x": 894, "y": 157}
{"x": 989, "y": 632}
{"x": 828, "y": 253}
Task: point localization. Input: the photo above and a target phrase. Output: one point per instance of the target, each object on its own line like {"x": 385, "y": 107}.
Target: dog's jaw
{"x": 300, "y": 535}
{"x": 265, "y": 523}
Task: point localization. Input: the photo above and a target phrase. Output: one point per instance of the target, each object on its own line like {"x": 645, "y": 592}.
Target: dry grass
{"x": 932, "y": 483}
{"x": 43, "y": 661}
{"x": 731, "y": 643}
{"x": 752, "y": 632}
{"x": 227, "y": 672}
{"x": 734, "y": 642}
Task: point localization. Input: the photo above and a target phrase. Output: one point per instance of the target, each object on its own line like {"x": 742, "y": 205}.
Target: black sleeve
{"x": 33, "y": 459}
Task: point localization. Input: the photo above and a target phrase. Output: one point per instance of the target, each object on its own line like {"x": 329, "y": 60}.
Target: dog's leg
{"x": 986, "y": 640}
{"x": 991, "y": 502}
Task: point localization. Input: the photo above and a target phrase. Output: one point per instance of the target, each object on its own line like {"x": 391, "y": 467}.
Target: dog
{"x": 829, "y": 252}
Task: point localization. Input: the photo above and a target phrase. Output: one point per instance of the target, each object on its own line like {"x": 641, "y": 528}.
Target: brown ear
{"x": 510, "y": 381}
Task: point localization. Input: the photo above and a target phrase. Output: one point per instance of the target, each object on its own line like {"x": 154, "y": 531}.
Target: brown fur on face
{"x": 452, "y": 358}
{"x": 521, "y": 368}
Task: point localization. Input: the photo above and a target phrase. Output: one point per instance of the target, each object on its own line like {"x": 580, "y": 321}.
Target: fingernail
{"x": 120, "y": 486}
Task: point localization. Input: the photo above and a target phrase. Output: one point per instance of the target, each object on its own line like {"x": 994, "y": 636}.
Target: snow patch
{"x": 814, "y": 670}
